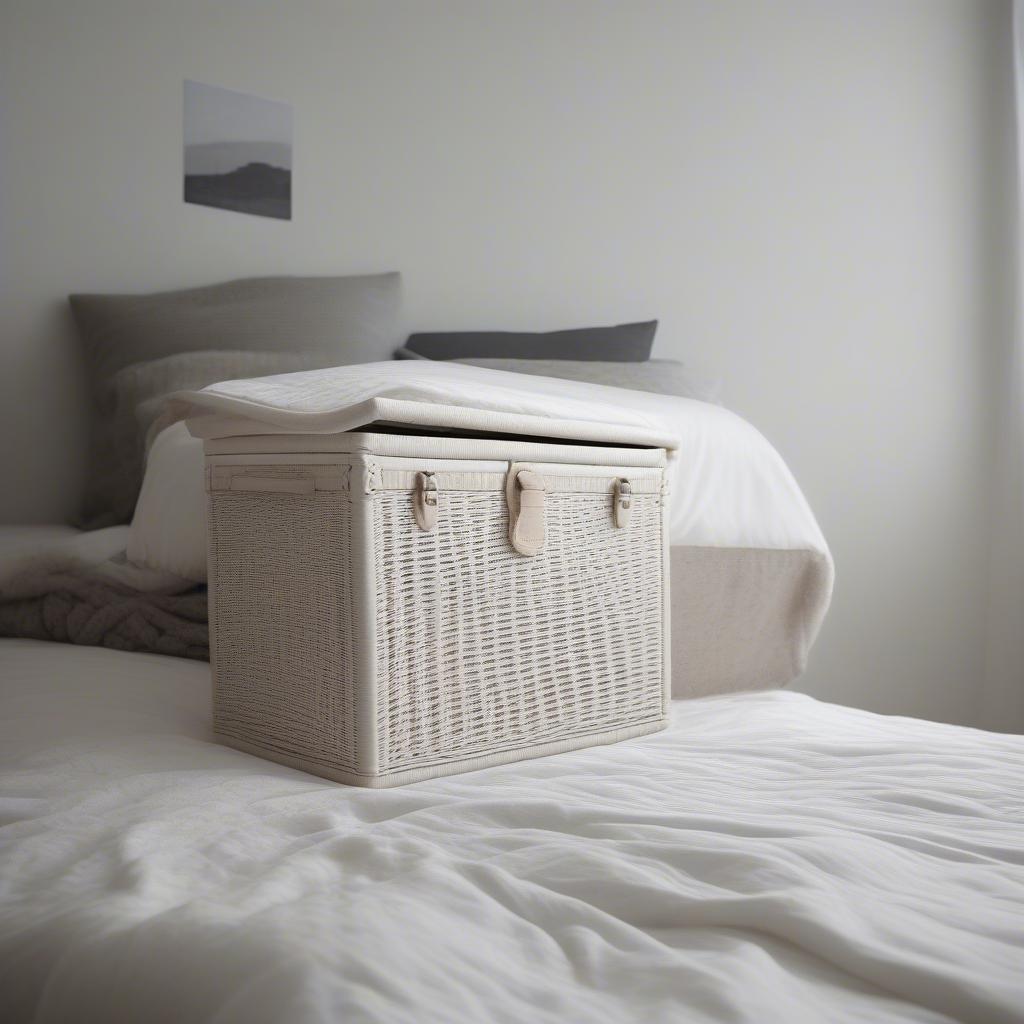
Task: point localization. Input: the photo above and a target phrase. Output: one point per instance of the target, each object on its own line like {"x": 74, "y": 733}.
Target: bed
{"x": 751, "y": 572}
{"x": 768, "y": 857}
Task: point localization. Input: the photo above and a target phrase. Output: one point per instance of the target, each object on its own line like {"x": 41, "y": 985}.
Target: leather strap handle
{"x": 623, "y": 503}
{"x": 527, "y": 527}
{"x": 425, "y": 502}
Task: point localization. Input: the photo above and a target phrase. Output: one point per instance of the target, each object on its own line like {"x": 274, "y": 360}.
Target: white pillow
{"x": 169, "y": 528}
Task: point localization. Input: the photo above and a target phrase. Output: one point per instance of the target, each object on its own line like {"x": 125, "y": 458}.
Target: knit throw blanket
{"x": 57, "y": 594}
{"x": 80, "y": 609}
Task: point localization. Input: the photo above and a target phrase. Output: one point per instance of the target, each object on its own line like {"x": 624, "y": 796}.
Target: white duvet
{"x": 768, "y": 858}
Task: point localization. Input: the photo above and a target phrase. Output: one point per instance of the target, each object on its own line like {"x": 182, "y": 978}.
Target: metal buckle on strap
{"x": 623, "y": 503}
{"x": 425, "y": 503}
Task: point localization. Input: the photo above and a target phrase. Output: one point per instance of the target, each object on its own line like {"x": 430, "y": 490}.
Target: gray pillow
{"x": 134, "y": 402}
{"x": 626, "y": 343}
{"x": 295, "y": 322}
{"x": 356, "y": 317}
{"x": 658, "y": 376}
{"x": 139, "y": 391}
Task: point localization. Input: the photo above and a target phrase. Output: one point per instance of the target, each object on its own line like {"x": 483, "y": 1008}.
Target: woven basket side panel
{"x": 283, "y": 630}
{"x": 482, "y": 649}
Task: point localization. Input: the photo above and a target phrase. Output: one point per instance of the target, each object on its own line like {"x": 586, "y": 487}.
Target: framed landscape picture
{"x": 237, "y": 151}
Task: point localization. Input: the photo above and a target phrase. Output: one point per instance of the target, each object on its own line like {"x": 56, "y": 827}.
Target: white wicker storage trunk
{"x": 380, "y": 616}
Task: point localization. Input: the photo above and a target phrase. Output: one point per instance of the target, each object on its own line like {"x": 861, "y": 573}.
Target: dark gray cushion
{"x": 625, "y": 343}
{"x": 293, "y": 322}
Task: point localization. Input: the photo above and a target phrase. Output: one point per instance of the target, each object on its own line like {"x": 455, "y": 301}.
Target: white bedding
{"x": 768, "y": 858}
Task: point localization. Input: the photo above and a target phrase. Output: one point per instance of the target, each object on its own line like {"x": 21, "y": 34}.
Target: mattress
{"x": 768, "y": 857}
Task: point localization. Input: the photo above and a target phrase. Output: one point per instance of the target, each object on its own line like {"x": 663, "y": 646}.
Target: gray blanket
{"x": 79, "y": 606}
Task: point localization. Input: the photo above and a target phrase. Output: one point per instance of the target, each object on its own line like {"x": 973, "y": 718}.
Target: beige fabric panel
{"x": 744, "y": 618}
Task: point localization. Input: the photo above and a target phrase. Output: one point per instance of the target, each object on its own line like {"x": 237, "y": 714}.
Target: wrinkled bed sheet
{"x": 768, "y": 858}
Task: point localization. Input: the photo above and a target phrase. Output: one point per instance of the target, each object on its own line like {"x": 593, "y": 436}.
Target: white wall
{"x": 803, "y": 193}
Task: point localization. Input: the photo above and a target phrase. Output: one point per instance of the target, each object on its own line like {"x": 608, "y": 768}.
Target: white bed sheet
{"x": 768, "y": 858}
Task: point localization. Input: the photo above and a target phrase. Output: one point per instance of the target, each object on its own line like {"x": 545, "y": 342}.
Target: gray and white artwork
{"x": 238, "y": 151}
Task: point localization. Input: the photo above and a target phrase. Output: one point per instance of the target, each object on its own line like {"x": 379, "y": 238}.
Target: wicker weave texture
{"x": 482, "y": 649}
{"x": 479, "y": 652}
{"x": 281, "y": 620}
